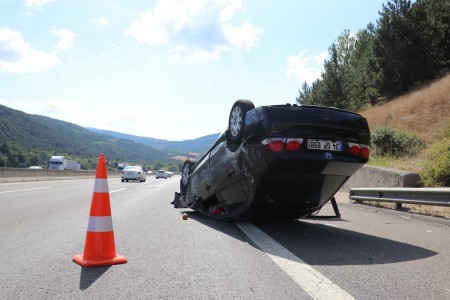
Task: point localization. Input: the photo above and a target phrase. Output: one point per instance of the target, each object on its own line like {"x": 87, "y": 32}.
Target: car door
{"x": 226, "y": 178}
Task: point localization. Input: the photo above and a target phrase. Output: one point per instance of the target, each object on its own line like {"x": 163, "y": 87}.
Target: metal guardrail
{"x": 420, "y": 196}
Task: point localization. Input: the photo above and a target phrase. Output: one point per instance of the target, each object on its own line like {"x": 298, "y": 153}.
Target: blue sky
{"x": 166, "y": 69}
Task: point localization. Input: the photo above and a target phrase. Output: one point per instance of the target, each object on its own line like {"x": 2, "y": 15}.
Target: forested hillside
{"x": 409, "y": 46}
{"x": 32, "y": 139}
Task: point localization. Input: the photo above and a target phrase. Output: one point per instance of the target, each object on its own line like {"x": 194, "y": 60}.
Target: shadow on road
{"x": 322, "y": 244}
{"x": 89, "y": 275}
{"x": 325, "y": 244}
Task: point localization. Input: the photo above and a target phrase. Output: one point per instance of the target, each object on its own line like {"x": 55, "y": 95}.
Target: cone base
{"x": 87, "y": 263}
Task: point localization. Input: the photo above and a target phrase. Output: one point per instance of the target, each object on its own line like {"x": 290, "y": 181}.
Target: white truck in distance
{"x": 60, "y": 163}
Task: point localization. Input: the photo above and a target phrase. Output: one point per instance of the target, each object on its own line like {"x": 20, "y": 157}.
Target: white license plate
{"x": 325, "y": 145}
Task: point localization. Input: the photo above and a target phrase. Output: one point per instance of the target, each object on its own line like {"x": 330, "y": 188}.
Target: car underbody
{"x": 282, "y": 162}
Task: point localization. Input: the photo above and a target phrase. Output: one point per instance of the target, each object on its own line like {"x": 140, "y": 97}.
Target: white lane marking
{"x": 24, "y": 190}
{"x": 117, "y": 190}
{"x": 309, "y": 279}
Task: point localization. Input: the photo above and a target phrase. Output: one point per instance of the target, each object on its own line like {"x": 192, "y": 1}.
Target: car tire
{"x": 123, "y": 180}
{"x": 185, "y": 175}
{"x": 236, "y": 120}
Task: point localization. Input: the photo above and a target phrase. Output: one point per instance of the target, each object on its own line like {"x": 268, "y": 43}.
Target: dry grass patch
{"x": 424, "y": 111}
{"x": 413, "y": 164}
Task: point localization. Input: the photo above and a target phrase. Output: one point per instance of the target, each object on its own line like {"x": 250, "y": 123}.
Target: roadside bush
{"x": 388, "y": 141}
{"x": 436, "y": 167}
{"x": 444, "y": 132}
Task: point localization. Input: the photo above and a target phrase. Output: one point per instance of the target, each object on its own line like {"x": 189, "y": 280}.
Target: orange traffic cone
{"x": 99, "y": 249}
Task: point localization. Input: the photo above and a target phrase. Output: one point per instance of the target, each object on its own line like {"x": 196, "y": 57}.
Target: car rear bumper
{"x": 133, "y": 178}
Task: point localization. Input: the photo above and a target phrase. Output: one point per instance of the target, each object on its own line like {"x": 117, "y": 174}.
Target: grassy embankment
{"x": 426, "y": 112}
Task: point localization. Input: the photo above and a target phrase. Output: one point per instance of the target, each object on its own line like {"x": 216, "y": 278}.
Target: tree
{"x": 34, "y": 160}
{"x": 437, "y": 32}
{"x": 305, "y": 94}
{"x": 409, "y": 46}
{"x": 4, "y": 149}
{"x": 401, "y": 47}
{"x": 362, "y": 88}
{"x": 4, "y": 154}
{"x": 157, "y": 165}
{"x": 327, "y": 91}
{"x": 333, "y": 80}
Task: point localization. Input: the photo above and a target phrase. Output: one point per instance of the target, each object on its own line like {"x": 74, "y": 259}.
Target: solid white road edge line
{"x": 309, "y": 279}
{"x": 24, "y": 190}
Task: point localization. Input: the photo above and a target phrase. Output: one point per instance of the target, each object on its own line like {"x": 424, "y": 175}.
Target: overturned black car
{"x": 277, "y": 162}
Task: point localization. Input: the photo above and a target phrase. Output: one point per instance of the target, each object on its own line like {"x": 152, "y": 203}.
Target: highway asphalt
{"x": 370, "y": 253}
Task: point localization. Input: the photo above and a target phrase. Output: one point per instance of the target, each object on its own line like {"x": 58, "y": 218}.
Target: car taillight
{"x": 365, "y": 151}
{"x": 356, "y": 150}
{"x": 279, "y": 144}
{"x": 275, "y": 144}
{"x": 360, "y": 150}
{"x": 293, "y": 144}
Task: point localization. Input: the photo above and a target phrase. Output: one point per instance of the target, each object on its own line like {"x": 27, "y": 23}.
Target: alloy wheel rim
{"x": 185, "y": 176}
{"x": 236, "y": 121}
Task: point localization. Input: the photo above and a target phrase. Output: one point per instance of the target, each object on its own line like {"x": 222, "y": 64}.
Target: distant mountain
{"x": 29, "y": 135}
{"x": 200, "y": 144}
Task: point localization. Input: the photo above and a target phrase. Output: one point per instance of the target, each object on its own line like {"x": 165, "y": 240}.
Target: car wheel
{"x": 123, "y": 180}
{"x": 185, "y": 175}
{"x": 236, "y": 123}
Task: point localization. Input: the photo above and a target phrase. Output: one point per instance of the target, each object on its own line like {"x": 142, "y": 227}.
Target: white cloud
{"x": 306, "y": 67}
{"x": 195, "y": 30}
{"x": 17, "y": 56}
{"x": 243, "y": 37}
{"x": 38, "y": 3}
{"x": 101, "y": 22}
{"x": 66, "y": 39}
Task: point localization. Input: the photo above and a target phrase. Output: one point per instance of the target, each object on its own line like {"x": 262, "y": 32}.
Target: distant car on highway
{"x": 133, "y": 173}
{"x": 161, "y": 174}
{"x": 277, "y": 162}
{"x": 35, "y": 167}
{"x": 169, "y": 174}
